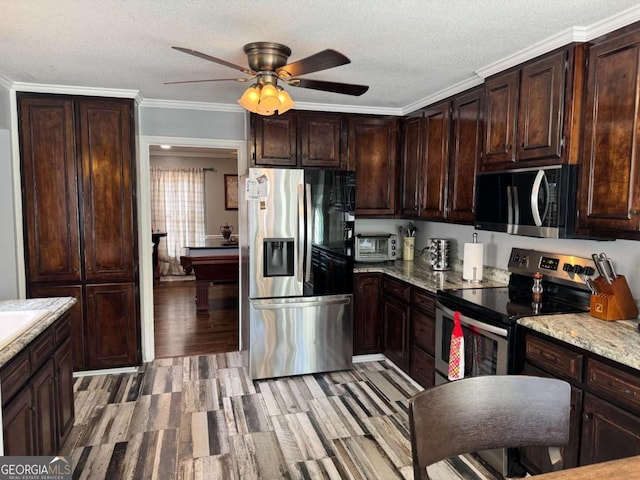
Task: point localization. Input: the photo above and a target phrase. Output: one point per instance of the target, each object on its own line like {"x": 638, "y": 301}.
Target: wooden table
{"x": 624, "y": 468}
{"x": 155, "y": 238}
{"x": 210, "y": 265}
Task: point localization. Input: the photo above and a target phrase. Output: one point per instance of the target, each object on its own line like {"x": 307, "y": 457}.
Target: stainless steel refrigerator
{"x": 296, "y": 271}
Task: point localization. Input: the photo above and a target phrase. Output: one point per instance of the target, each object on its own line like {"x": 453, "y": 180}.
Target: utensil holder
{"x": 408, "y": 245}
{"x": 613, "y": 301}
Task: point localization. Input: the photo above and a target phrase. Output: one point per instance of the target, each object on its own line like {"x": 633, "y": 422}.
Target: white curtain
{"x": 177, "y": 207}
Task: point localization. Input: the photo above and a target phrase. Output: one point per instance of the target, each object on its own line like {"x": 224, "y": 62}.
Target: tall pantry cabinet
{"x": 79, "y": 219}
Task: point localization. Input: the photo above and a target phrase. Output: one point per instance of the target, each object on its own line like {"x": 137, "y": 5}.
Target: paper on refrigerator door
{"x": 256, "y": 188}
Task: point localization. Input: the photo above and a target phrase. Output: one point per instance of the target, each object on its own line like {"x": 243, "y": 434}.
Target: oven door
{"x": 485, "y": 346}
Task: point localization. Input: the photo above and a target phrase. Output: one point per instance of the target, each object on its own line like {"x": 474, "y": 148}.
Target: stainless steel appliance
{"x": 537, "y": 202}
{"x": 296, "y": 269}
{"x": 439, "y": 250}
{"x": 379, "y": 247}
{"x": 492, "y": 340}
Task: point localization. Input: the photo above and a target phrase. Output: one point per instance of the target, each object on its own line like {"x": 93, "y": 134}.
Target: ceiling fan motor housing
{"x": 266, "y": 56}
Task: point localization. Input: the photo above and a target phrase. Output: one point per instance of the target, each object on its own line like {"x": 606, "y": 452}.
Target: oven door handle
{"x": 475, "y": 323}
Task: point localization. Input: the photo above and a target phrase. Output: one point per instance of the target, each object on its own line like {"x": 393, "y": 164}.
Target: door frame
{"x": 145, "y": 248}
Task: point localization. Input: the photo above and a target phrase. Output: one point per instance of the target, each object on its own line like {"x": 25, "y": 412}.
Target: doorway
{"x": 219, "y": 298}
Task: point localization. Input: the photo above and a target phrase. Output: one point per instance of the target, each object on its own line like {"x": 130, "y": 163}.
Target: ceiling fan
{"x": 267, "y": 64}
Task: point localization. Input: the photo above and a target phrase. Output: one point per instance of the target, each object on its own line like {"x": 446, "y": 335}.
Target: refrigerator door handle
{"x": 307, "y": 239}
{"x": 315, "y": 303}
{"x": 300, "y": 239}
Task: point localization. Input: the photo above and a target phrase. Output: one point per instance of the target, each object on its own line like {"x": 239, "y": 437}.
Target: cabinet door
{"x": 108, "y": 184}
{"x": 44, "y": 409}
{"x": 320, "y": 140}
{"x": 501, "y": 96}
{"x": 367, "y": 324}
{"x": 65, "y": 412}
{"x": 274, "y": 139}
{"x": 435, "y": 162}
{"x": 541, "y": 108}
{"x": 608, "y": 432}
{"x": 411, "y": 166}
{"x": 373, "y": 156}
{"x": 17, "y": 425}
{"x": 112, "y": 326}
{"x": 466, "y": 150}
{"x": 49, "y": 191}
{"x": 76, "y": 317}
{"x": 610, "y": 184}
{"x": 396, "y": 332}
{"x": 536, "y": 459}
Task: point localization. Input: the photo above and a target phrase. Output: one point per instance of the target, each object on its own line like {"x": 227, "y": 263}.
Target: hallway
{"x": 181, "y": 331}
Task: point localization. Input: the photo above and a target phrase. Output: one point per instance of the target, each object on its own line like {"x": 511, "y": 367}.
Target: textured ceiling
{"x": 408, "y": 51}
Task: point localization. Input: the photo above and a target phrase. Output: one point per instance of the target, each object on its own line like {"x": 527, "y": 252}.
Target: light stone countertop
{"x": 617, "y": 340}
{"x": 419, "y": 273}
{"x": 57, "y": 306}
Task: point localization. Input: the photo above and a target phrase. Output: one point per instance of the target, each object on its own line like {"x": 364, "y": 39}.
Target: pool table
{"x": 210, "y": 265}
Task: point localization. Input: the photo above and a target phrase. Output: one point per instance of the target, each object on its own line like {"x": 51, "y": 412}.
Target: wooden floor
{"x": 202, "y": 418}
{"x": 181, "y": 331}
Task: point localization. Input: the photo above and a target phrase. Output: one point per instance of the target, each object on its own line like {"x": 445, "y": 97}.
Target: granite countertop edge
{"x": 56, "y": 306}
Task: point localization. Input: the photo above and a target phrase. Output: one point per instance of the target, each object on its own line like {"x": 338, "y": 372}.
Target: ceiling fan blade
{"x": 319, "y": 61}
{"x": 211, "y": 80}
{"x": 344, "y": 88}
{"x": 195, "y": 53}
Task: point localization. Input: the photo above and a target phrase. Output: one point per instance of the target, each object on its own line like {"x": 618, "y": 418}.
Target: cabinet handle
{"x": 633, "y": 211}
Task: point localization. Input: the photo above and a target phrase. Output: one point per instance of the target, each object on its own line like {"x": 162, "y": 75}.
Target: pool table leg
{"x": 202, "y": 295}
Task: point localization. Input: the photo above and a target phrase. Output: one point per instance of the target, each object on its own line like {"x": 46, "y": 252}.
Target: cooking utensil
{"x": 607, "y": 267}
{"x": 591, "y": 286}
{"x": 602, "y": 266}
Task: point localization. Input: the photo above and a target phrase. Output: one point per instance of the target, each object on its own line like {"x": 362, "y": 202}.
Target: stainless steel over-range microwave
{"x": 536, "y": 202}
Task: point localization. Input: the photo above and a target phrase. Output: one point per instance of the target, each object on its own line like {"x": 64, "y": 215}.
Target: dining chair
{"x": 481, "y": 413}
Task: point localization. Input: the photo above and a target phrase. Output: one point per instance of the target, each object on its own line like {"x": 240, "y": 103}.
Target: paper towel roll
{"x": 473, "y": 258}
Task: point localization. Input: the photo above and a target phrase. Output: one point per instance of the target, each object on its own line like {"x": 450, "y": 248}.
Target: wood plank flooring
{"x": 201, "y": 417}
{"x": 181, "y": 331}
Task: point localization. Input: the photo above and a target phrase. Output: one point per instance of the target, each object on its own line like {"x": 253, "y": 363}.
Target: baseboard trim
{"x": 106, "y": 371}
{"x": 372, "y": 357}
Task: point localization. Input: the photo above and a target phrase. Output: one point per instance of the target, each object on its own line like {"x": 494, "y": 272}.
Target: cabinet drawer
{"x": 41, "y": 348}
{"x": 397, "y": 288}
{"x": 422, "y": 368}
{"x": 423, "y": 300}
{"x": 614, "y": 384}
{"x": 15, "y": 375}
{"x": 554, "y": 359}
{"x": 423, "y": 331}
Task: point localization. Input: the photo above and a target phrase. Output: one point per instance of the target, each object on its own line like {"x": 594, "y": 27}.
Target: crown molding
{"x": 442, "y": 94}
{"x": 6, "y": 83}
{"x": 573, "y": 34}
{"x": 330, "y": 107}
{"x": 75, "y": 90}
{"x": 184, "y": 105}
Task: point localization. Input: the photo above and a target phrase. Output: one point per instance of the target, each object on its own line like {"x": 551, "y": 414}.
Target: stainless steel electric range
{"x": 493, "y": 345}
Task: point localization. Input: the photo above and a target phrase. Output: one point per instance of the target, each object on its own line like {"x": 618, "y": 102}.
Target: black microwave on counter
{"x": 535, "y": 202}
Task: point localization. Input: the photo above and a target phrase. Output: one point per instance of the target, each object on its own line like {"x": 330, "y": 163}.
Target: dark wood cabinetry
{"x": 441, "y": 151}
{"x": 37, "y": 394}
{"x": 79, "y": 209}
{"x": 423, "y": 337}
{"x": 396, "y": 314}
{"x": 532, "y": 112}
{"x": 297, "y": 139}
{"x": 373, "y": 156}
{"x": 609, "y": 201}
{"x": 367, "y": 323}
{"x": 605, "y": 417}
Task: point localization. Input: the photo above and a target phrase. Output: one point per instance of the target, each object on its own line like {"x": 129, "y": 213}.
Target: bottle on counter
{"x": 537, "y": 289}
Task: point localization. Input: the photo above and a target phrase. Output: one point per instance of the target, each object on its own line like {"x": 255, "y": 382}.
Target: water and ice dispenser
{"x": 278, "y": 257}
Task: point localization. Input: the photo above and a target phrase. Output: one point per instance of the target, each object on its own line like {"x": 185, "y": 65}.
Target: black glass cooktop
{"x": 501, "y": 304}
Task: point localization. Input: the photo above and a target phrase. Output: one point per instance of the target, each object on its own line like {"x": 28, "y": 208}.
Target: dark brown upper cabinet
{"x": 609, "y": 200}
{"x": 441, "y": 151}
{"x": 297, "y": 139}
{"x": 373, "y": 156}
{"x": 532, "y": 112}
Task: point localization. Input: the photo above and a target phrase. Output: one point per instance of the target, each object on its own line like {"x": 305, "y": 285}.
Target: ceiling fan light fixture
{"x": 250, "y": 98}
{"x": 286, "y": 103}
{"x": 266, "y": 99}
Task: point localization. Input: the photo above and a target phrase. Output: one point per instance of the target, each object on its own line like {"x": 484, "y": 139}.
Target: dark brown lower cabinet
{"x": 605, "y": 402}
{"x": 367, "y": 323}
{"x": 608, "y": 432}
{"x": 422, "y": 366}
{"x": 396, "y": 331}
{"x": 37, "y": 394}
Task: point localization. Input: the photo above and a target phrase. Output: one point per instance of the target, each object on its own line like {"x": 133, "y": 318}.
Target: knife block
{"x": 613, "y": 301}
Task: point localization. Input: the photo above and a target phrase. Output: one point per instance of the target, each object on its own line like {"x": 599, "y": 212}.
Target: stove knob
{"x": 578, "y": 269}
{"x": 589, "y": 271}
{"x": 567, "y": 267}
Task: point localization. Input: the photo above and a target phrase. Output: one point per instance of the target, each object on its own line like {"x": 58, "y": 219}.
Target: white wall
{"x": 497, "y": 246}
